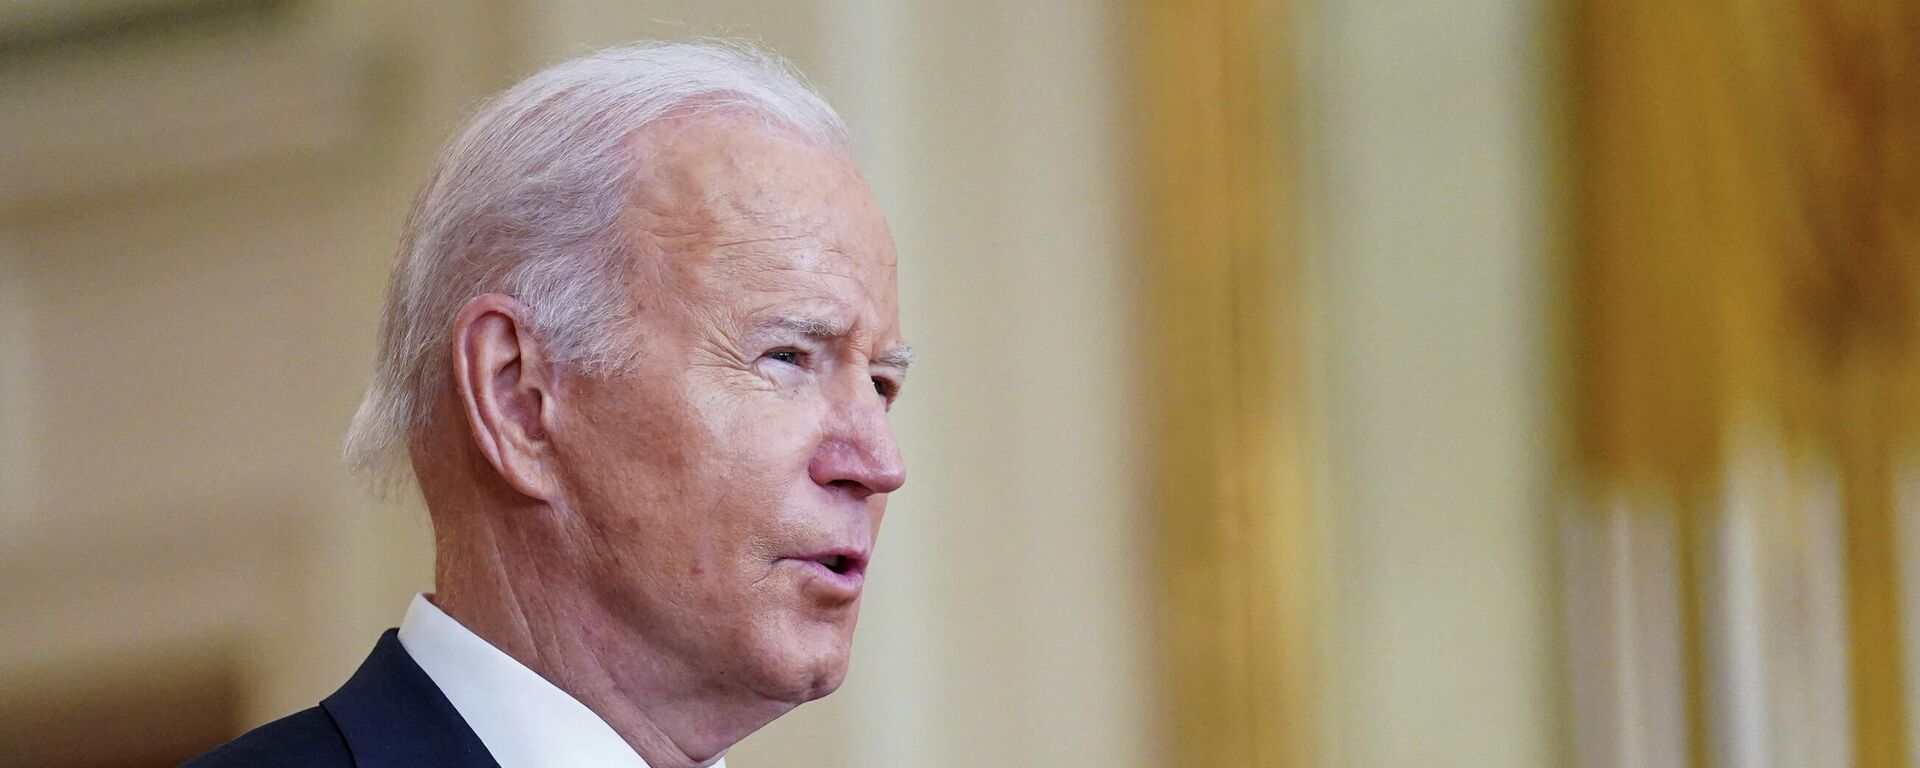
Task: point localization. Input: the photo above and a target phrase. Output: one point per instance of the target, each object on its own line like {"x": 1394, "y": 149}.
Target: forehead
{"x": 729, "y": 196}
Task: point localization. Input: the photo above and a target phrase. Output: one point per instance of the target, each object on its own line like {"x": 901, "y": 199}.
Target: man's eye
{"x": 886, "y": 387}
{"x": 788, "y": 356}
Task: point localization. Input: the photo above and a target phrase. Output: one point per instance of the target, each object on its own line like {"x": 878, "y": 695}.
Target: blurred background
{"x": 1468, "y": 383}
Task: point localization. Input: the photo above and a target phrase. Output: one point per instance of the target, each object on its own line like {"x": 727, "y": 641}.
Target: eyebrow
{"x": 821, "y": 328}
{"x": 805, "y": 325}
{"x": 899, "y": 357}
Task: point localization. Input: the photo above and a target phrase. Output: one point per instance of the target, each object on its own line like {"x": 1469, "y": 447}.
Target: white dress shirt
{"x": 524, "y": 721}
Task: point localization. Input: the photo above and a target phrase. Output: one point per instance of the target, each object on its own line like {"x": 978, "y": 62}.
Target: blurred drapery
{"x": 1238, "y": 610}
{"x": 1748, "y": 261}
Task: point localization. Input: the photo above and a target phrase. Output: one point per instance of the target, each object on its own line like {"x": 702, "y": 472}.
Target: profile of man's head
{"x": 638, "y": 351}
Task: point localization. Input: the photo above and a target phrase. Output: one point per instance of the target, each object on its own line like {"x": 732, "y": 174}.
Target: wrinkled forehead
{"x": 728, "y": 203}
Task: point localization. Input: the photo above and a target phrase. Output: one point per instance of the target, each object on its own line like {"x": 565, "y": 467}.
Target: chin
{"x": 796, "y": 668}
{"x": 827, "y": 681}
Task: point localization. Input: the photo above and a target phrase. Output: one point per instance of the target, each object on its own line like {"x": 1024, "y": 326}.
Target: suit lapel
{"x": 393, "y": 716}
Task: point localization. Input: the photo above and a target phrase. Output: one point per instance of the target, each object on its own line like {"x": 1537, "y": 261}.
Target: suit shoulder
{"x": 304, "y": 739}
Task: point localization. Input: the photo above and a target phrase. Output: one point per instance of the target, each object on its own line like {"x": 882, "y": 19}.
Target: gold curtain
{"x": 1238, "y": 615}
{"x": 1748, "y": 271}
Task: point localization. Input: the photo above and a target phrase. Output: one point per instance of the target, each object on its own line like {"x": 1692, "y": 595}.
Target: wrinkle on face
{"x": 701, "y": 460}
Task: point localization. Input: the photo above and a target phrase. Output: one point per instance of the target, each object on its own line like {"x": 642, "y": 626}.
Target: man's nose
{"x": 859, "y": 454}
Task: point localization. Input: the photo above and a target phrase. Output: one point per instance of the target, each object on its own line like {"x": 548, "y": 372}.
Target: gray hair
{"x": 529, "y": 201}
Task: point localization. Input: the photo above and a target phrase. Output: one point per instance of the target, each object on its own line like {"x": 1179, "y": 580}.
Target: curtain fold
{"x": 1748, "y": 272}
{"x": 1239, "y": 610}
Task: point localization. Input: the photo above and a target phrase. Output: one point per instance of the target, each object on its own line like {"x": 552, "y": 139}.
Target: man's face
{"x": 730, "y": 488}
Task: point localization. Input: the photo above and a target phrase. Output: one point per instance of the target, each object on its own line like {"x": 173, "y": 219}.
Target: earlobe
{"x": 500, "y": 373}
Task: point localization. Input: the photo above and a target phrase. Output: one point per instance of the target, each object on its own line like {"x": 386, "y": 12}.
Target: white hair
{"x": 529, "y": 201}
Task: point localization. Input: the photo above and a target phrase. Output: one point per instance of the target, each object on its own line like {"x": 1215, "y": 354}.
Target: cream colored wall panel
{"x": 44, "y": 14}
{"x": 16, "y": 407}
{"x": 570, "y": 27}
{"x": 97, "y": 121}
{"x": 200, "y": 337}
{"x": 1429, "y": 140}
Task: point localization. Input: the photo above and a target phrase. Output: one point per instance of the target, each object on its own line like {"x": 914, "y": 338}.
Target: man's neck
{"x": 548, "y": 620}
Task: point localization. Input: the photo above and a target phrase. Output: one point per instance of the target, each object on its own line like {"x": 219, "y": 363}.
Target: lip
{"x": 838, "y": 573}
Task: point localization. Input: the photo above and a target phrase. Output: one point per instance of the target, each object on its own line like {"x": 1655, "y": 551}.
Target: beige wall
{"x": 15, "y": 412}
{"x": 1431, "y": 204}
{"x": 199, "y": 286}
{"x": 195, "y": 337}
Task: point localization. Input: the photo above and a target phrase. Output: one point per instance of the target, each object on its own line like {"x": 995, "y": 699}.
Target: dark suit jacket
{"x": 389, "y": 715}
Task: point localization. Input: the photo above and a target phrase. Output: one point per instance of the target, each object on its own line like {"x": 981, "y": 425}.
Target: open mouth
{"x": 837, "y": 562}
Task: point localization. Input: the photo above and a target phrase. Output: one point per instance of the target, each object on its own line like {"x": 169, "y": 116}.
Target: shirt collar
{"x": 525, "y": 721}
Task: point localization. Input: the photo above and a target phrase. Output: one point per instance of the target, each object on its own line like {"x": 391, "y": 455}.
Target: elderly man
{"x": 638, "y": 351}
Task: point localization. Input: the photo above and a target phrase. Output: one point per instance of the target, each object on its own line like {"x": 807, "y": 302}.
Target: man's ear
{"x": 503, "y": 380}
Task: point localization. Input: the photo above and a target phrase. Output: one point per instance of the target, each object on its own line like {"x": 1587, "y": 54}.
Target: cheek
{"x": 637, "y": 475}
{"x": 643, "y": 462}
{"x": 753, "y": 478}
{"x": 768, "y": 441}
